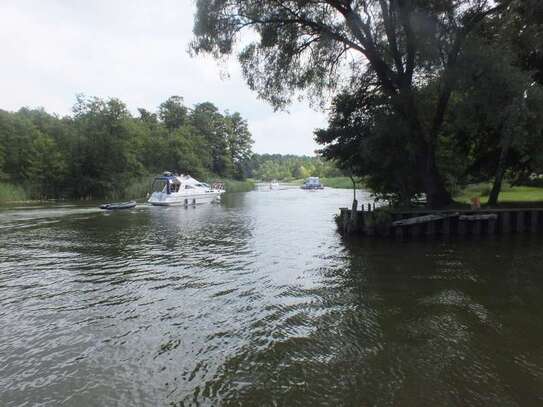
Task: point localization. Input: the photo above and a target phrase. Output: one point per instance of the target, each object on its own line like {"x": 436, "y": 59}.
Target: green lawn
{"x": 338, "y": 182}
{"x": 508, "y": 194}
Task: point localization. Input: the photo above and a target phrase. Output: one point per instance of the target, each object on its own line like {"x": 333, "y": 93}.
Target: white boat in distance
{"x": 312, "y": 183}
{"x": 172, "y": 190}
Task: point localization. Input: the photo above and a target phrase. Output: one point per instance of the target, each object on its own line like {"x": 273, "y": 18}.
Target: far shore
{"x": 510, "y": 196}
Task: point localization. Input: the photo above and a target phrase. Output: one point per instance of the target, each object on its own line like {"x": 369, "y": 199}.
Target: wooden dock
{"x": 405, "y": 224}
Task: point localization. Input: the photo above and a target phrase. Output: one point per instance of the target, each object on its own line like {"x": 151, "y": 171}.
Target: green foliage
{"x": 12, "y": 193}
{"x": 492, "y": 125}
{"x": 497, "y": 106}
{"x": 231, "y": 185}
{"x": 397, "y": 50}
{"x": 47, "y": 169}
{"x": 368, "y": 139}
{"x": 103, "y": 151}
{"x": 136, "y": 188}
{"x": 172, "y": 113}
{"x": 239, "y": 141}
{"x": 268, "y": 167}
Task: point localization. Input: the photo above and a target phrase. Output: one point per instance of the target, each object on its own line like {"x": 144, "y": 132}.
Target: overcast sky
{"x": 137, "y": 51}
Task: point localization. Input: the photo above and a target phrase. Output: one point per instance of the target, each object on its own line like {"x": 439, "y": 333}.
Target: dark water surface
{"x": 259, "y": 302}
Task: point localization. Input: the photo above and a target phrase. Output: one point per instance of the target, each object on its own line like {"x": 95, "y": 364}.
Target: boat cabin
{"x": 312, "y": 183}
{"x": 169, "y": 184}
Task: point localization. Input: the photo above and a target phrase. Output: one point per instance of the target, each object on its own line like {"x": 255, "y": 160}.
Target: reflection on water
{"x": 258, "y": 302}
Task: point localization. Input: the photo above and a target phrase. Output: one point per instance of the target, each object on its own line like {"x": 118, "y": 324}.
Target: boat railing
{"x": 217, "y": 185}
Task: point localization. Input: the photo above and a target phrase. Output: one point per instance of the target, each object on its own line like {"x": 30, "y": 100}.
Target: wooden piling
{"x": 446, "y": 227}
{"x": 491, "y": 230}
{"x": 462, "y": 228}
{"x": 354, "y": 215}
{"x": 520, "y": 221}
{"x": 414, "y": 230}
{"x": 477, "y": 227}
{"x": 534, "y": 221}
{"x": 431, "y": 229}
{"x": 505, "y": 222}
{"x": 416, "y": 223}
{"x": 345, "y": 219}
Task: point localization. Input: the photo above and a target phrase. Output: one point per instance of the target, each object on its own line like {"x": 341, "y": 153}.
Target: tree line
{"x": 268, "y": 167}
{"x": 428, "y": 95}
{"x": 102, "y": 150}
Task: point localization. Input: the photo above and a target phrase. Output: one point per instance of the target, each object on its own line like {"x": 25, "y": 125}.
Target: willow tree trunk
{"x": 500, "y": 170}
{"x": 437, "y": 195}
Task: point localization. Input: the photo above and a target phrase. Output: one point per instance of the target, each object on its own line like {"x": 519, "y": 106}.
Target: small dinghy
{"x": 119, "y": 205}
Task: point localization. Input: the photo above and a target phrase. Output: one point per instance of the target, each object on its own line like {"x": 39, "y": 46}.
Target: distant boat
{"x": 312, "y": 183}
{"x": 183, "y": 190}
{"x": 118, "y": 205}
{"x": 274, "y": 184}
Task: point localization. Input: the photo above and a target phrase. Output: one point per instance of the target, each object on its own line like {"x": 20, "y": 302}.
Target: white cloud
{"x": 134, "y": 50}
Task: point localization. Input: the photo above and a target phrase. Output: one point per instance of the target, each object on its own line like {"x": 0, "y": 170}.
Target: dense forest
{"x": 102, "y": 150}
{"x": 428, "y": 95}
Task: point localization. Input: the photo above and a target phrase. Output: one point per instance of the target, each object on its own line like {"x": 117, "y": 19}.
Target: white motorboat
{"x": 172, "y": 189}
{"x": 312, "y": 183}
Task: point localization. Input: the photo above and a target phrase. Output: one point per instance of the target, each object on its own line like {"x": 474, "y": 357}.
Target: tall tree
{"x": 47, "y": 167}
{"x": 106, "y": 153}
{"x": 172, "y": 112}
{"x": 103, "y": 151}
{"x": 315, "y": 44}
{"x": 148, "y": 117}
{"x": 239, "y": 141}
{"x": 16, "y": 135}
{"x": 522, "y": 26}
{"x": 211, "y": 126}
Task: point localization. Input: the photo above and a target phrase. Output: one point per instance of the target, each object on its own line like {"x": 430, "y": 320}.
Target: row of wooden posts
{"x": 424, "y": 222}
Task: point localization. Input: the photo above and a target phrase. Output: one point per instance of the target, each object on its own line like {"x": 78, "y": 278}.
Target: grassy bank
{"x": 12, "y": 193}
{"x": 339, "y": 182}
{"x": 507, "y": 194}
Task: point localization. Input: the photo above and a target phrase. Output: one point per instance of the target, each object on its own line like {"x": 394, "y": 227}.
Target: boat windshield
{"x": 165, "y": 184}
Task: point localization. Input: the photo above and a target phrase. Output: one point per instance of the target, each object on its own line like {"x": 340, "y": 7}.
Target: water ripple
{"x": 259, "y": 301}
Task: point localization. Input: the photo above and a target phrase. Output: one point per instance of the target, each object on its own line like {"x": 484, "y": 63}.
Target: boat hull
{"x": 162, "y": 199}
{"x": 118, "y": 206}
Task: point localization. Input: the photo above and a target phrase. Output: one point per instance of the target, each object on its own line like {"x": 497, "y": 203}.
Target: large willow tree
{"x": 288, "y": 46}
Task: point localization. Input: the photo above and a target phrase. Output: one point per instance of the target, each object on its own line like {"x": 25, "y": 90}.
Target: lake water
{"x": 258, "y": 301}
